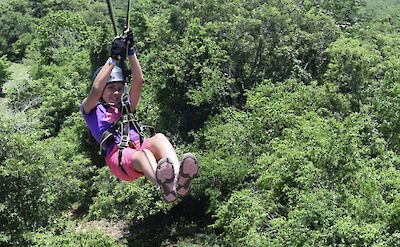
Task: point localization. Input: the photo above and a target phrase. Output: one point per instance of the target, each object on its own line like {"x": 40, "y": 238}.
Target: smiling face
{"x": 112, "y": 93}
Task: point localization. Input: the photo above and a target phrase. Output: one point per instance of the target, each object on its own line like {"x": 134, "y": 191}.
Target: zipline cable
{"x": 126, "y": 26}
{"x": 112, "y": 17}
{"x": 127, "y": 16}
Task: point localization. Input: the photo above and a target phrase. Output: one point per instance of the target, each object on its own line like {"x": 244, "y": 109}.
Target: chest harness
{"x": 122, "y": 127}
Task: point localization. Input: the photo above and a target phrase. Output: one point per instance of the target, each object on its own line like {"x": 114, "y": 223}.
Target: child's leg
{"x": 161, "y": 174}
{"x": 161, "y": 147}
{"x": 144, "y": 161}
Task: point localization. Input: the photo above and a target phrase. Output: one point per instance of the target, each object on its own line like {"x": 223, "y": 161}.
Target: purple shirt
{"x": 101, "y": 118}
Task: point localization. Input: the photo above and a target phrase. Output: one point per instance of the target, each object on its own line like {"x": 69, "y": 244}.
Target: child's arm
{"x": 137, "y": 81}
{"x": 98, "y": 86}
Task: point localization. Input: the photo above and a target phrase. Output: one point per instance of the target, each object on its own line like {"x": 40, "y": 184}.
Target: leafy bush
{"x": 17, "y": 25}
{"x": 38, "y": 181}
{"x": 291, "y": 107}
{"x": 67, "y": 233}
{"x": 4, "y": 73}
{"x": 242, "y": 218}
{"x": 122, "y": 200}
{"x": 323, "y": 171}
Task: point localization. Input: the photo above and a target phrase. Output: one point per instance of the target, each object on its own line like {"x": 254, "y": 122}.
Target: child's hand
{"x": 128, "y": 36}
{"x": 118, "y": 49}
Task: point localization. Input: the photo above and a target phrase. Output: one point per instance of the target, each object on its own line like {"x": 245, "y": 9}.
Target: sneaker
{"x": 188, "y": 170}
{"x": 165, "y": 178}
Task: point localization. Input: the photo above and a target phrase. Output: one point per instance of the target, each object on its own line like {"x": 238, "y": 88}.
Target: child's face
{"x": 112, "y": 93}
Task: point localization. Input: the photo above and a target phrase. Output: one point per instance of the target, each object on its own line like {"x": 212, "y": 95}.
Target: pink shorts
{"x": 127, "y": 155}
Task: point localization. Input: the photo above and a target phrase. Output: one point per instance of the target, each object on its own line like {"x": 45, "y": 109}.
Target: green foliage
{"x": 291, "y": 106}
{"x": 313, "y": 167}
{"x": 121, "y": 200}
{"x": 353, "y": 67}
{"x": 380, "y": 8}
{"x": 4, "y": 71}
{"x": 56, "y": 89}
{"x": 319, "y": 175}
{"x": 69, "y": 35}
{"x": 53, "y": 97}
{"x": 67, "y": 233}
{"x": 41, "y": 8}
{"x": 346, "y": 12}
{"x": 241, "y": 217}
{"x": 71, "y": 238}
{"x": 193, "y": 79}
{"x": 38, "y": 181}
{"x": 226, "y": 156}
{"x": 384, "y": 91}
{"x": 210, "y": 58}
{"x": 17, "y": 26}
{"x": 312, "y": 161}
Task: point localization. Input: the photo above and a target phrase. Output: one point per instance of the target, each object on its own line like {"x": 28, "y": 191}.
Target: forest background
{"x": 292, "y": 108}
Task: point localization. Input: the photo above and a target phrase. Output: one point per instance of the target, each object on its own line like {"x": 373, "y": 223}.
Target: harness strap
{"x": 109, "y": 135}
{"x": 124, "y": 143}
{"x": 123, "y": 125}
{"x": 108, "y": 138}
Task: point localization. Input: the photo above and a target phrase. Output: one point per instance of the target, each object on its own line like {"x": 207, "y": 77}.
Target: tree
{"x": 352, "y": 67}
{"x": 16, "y": 28}
{"x": 61, "y": 73}
{"x": 38, "y": 182}
{"x": 4, "y": 72}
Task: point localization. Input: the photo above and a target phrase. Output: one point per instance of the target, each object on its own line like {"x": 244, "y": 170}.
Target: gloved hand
{"x": 118, "y": 49}
{"x": 128, "y": 36}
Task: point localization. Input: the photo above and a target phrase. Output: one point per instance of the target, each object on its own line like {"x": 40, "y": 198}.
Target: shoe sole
{"x": 165, "y": 178}
{"x": 189, "y": 169}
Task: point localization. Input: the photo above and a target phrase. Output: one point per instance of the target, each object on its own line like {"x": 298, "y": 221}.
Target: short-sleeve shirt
{"x": 101, "y": 118}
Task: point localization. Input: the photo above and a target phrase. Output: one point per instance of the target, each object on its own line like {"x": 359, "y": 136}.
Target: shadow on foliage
{"x": 185, "y": 220}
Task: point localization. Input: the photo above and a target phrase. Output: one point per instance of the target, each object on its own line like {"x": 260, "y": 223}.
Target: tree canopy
{"x": 292, "y": 108}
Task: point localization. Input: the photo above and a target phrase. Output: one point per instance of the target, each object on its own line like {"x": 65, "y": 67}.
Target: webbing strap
{"x": 123, "y": 125}
{"x": 120, "y": 152}
{"x": 124, "y": 143}
{"x": 109, "y": 135}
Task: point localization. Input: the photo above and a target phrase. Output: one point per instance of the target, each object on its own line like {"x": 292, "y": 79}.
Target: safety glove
{"x": 118, "y": 49}
{"x": 128, "y": 36}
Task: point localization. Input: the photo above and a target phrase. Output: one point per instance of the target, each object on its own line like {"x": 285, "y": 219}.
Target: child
{"x": 154, "y": 158}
